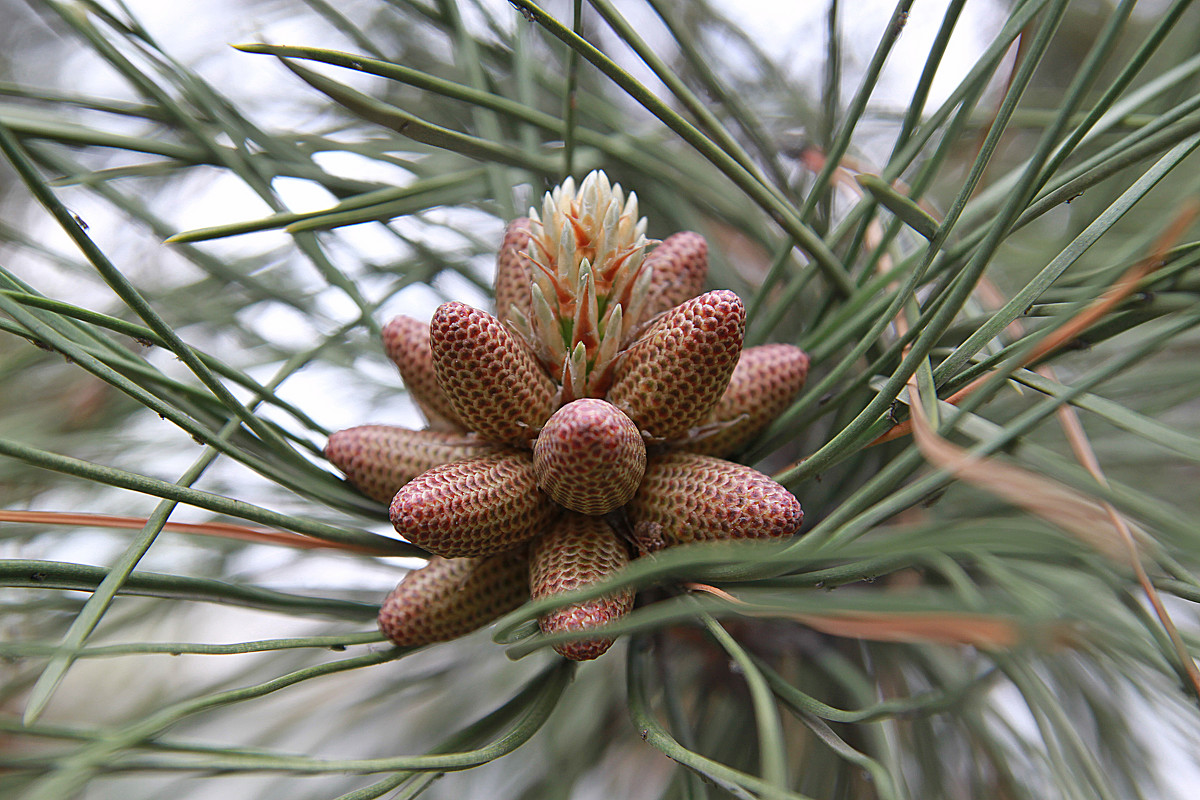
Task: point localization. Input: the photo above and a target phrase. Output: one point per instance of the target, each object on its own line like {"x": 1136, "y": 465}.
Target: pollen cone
{"x": 576, "y": 552}
{"x": 492, "y": 381}
{"x": 680, "y": 266}
{"x": 674, "y": 375}
{"x": 406, "y": 342}
{"x": 694, "y": 498}
{"x": 763, "y": 385}
{"x": 379, "y": 459}
{"x": 450, "y": 597}
{"x": 475, "y": 507}
{"x": 589, "y": 457}
{"x": 513, "y": 278}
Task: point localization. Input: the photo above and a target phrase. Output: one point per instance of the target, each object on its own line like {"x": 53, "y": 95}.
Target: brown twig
{"x": 1082, "y": 448}
{"x": 1068, "y": 509}
{"x": 985, "y": 631}
{"x": 222, "y": 529}
{"x": 1125, "y": 286}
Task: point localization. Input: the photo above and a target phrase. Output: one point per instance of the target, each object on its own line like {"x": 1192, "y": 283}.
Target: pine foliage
{"x": 997, "y": 450}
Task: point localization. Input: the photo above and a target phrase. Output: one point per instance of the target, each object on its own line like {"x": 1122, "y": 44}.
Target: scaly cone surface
{"x": 670, "y": 379}
{"x": 450, "y": 597}
{"x": 694, "y": 498}
{"x": 474, "y": 507}
{"x": 589, "y": 457}
{"x": 679, "y": 267}
{"x": 490, "y": 379}
{"x": 764, "y": 383}
{"x": 406, "y": 342}
{"x": 512, "y": 272}
{"x": 577, "y": 552}
{"x": 597, "y": 351}
{"x": 379, "y": 459}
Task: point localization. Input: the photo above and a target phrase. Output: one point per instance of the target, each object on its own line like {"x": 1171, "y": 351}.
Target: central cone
{"x": 589, "y": 457}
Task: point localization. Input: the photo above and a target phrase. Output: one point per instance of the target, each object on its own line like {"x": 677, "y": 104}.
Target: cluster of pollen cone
{"x": 579, "y": 428}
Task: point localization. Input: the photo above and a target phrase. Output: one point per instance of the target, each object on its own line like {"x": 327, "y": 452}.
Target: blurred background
{"x": 146, "y": 124}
